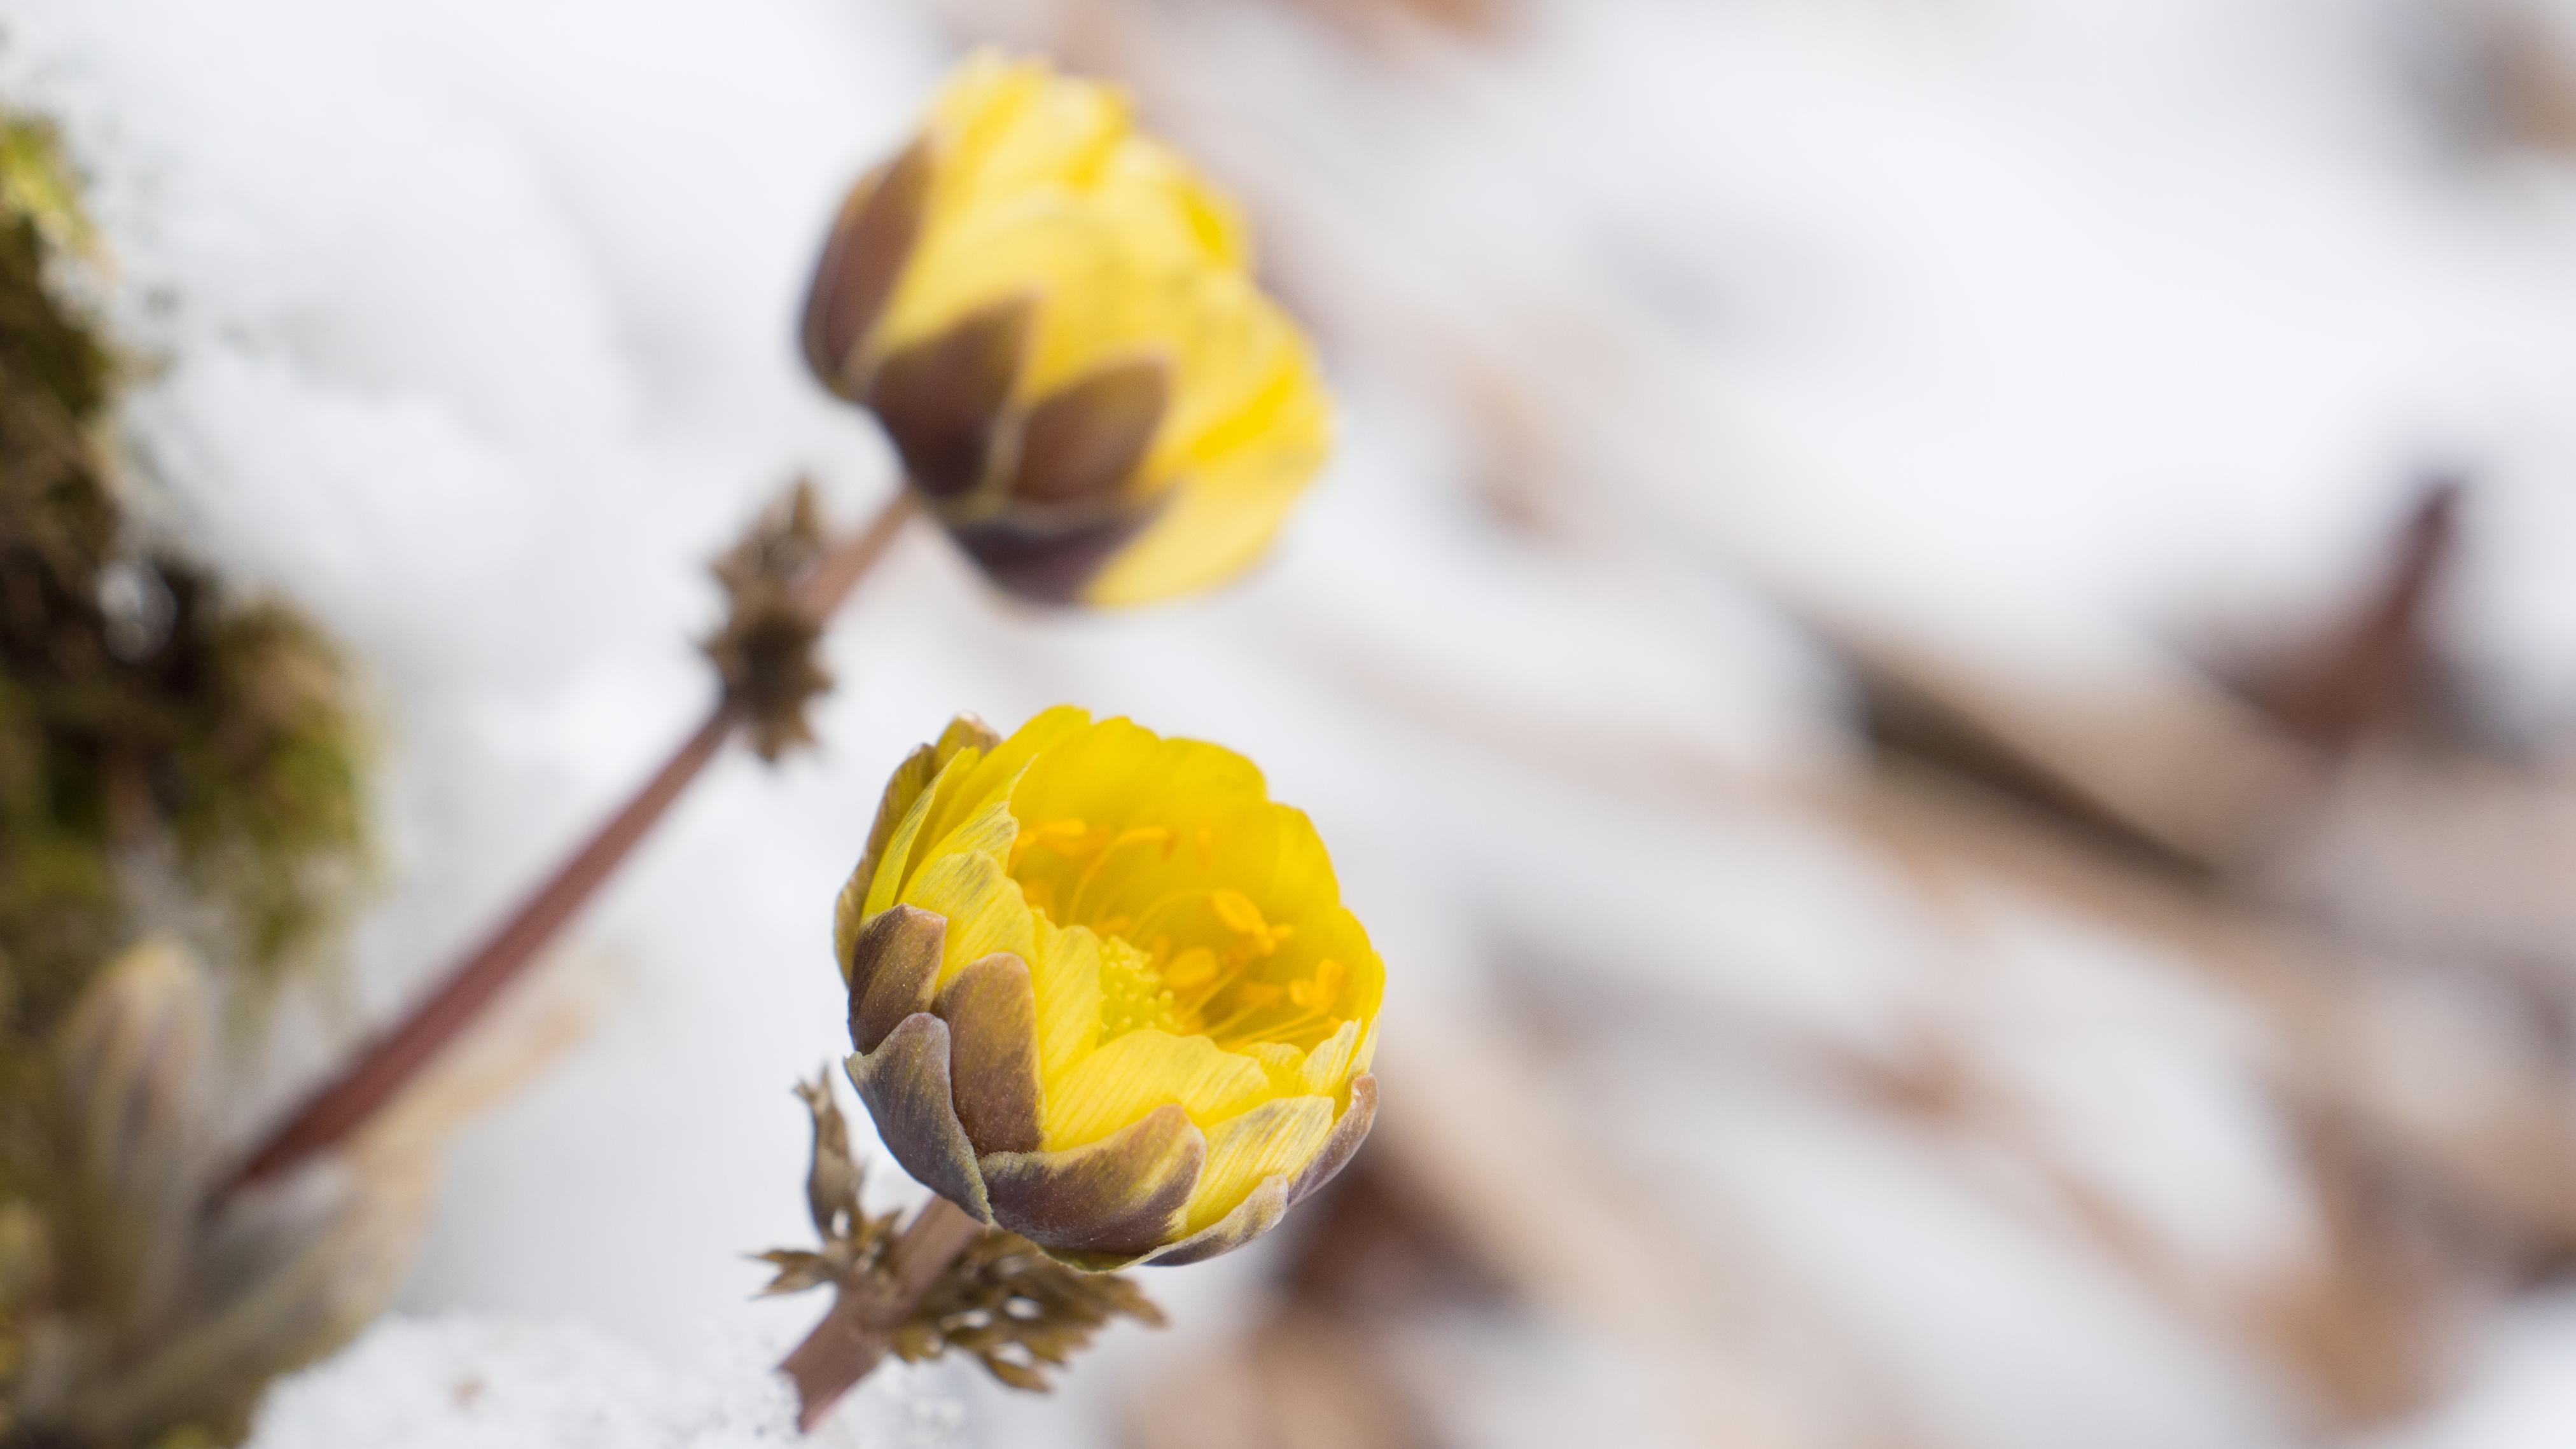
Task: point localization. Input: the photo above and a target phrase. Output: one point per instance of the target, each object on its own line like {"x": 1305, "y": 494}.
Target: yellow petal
{"x": 1066, "y": 975}
{"x": 946, "y": 804}
{"x": 1008, "y": 126}
{"x": 1272, "y": 854}
{"x": 1117, "y": 276}
{"x": 983, "y": 906}
{"x": 1326, "y": 1071}
{"x": 1274, "y": 1139}
{"x": 1262, "y": 865}
{"x": 1235, "y": 487}
{"x": 965, "y": 732}
{"x": 894, "y": 867}
{"x": 1285, "y": 1064}
{"x": 989, "y": 832}
{"x": 1135, "y": 1073}
{"x": 1116, "y": 774}
{"x": 1250, "y": 380}
{"x": 993, "y": 777}
{"x": 910, "y": 787}
{"x": 1334, "y": 934}
{"x": 1145, "y": 167}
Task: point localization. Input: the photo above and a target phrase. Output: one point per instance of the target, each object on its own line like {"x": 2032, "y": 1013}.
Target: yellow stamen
{"x": 1238, "y": 912}
{"x": 1255, "y": 997}
{"x": 1064, "y": 837}
{"x": 1193, "y": 968}
{"x": 1132, "y": 992}
{"x": 1320, "y": 993}
{"x": 1128, "y": 838}
{"x": 1166, "y": 903}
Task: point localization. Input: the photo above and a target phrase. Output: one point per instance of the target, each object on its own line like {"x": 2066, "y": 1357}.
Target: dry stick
{"x": 395, "y": 1059}
{"x": 2359, "y": 676}
{"x": 859, "y": 1332}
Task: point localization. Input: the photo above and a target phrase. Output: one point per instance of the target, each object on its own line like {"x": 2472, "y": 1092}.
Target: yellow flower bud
{"x": 1054, "y": 317}
{"x": 1104, "y": 991}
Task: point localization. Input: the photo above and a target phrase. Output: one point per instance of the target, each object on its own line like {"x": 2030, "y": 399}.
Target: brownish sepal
{"x": 892, "y": 964}
{"x": 1081, "y": 443}
{"x": 1349, "y": 1131}
{"x": 904, "y": 1083}
{"x": 942, "y": 399}
{"x": 1105, "y": 1203}
{"x": 1268, "y": 1203}
{"x": 1049, "y": 565}
{"x": 991, "y": 1008}
{"x": 1255, "y": 1215}
{"x": 864, "y": 257}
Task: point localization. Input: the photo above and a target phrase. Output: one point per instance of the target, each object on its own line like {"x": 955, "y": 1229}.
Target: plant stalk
{"x": 343, "y": 1105}
{"x": 859, "y": 1332}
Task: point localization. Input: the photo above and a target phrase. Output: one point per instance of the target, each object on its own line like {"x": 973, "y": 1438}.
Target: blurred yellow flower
{"x": 1054, "y": 316}
{"x": 1104, "y": 991}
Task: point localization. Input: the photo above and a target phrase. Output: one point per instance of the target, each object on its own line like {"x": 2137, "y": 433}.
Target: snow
{"x": 464, "y": 1382}
{"x": 2523, "y": 1396}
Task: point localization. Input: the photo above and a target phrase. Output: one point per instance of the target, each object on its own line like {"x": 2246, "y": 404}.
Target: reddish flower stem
{"x": 395, "y": 1059}
{"x": 859, "y": 1332}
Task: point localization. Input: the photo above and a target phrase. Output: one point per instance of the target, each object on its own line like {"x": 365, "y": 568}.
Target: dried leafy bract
{"x": 1002, "y": 1300}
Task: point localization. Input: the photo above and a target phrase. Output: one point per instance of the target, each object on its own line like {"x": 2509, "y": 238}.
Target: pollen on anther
{"x": 1239, "y": 914}
{"x": 1320, "y": 993}
{"x": 1064, "y": 837}
{"x": 1193, "y": 968}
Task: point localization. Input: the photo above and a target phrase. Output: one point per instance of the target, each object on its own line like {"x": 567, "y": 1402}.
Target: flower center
{"x": 1178, "y": 952}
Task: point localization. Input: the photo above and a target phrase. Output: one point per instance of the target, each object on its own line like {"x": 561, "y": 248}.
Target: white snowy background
{"x": 2048, "y": 322}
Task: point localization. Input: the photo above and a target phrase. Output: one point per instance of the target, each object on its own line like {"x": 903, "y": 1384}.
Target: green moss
{"x": 143, "y": 710}
{"x": 167, "y": 750}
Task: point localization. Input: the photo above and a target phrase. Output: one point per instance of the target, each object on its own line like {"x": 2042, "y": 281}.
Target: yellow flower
{"x": 1104, "y": 991}
{"x": 1054, "y": 316}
